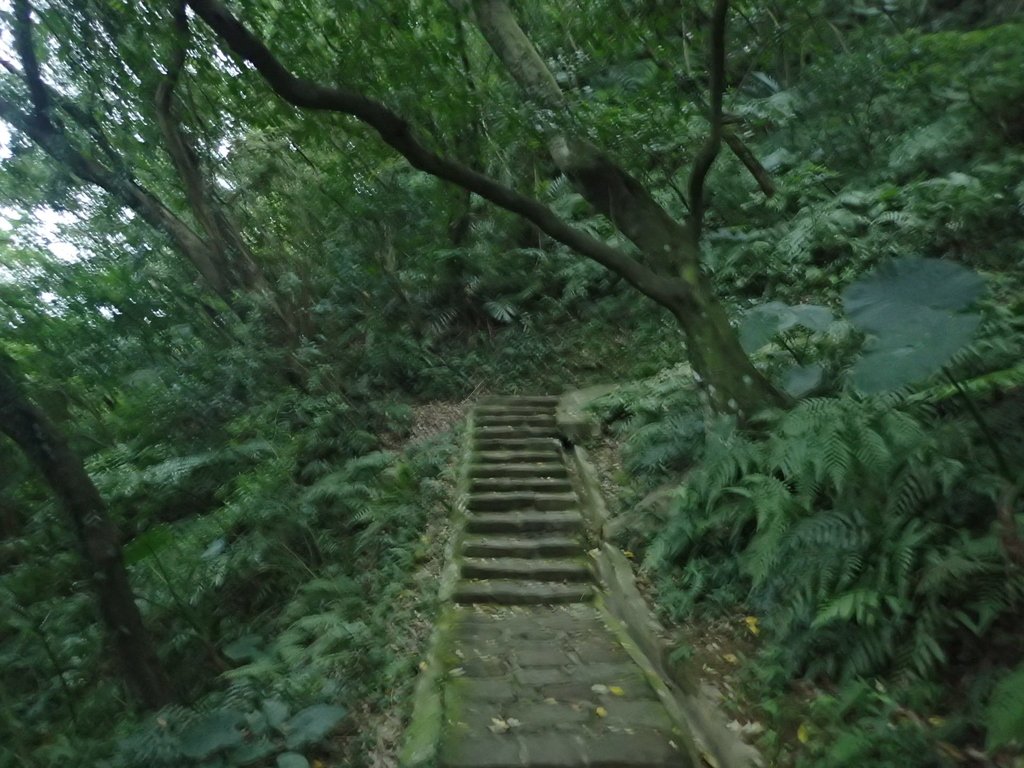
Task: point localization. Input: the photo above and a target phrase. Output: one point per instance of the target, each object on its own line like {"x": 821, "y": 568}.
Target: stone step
{"x": 511, "y": 546}
{"x": 509, "y": 417}
{"x": 524, "y": 522}
{"x": 511, "y": 445}
{"x": 520, "y": 484}
{"x": 514, "y": 432}
{"x": 516, "y": 423}
{"x": 526, "y": 470}
{"x": 521, "y": 592}
{"x": 543, "y": 401}
{"x": 514, "y": 409}
{"x": 521, "y": 501}
{"x": 537, "y": 569}
{"x": 548, "y": 455}
{"x": 632, "y": 748}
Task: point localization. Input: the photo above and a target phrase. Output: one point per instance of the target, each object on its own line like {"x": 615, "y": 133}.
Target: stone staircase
{"x": 533, "y": 675}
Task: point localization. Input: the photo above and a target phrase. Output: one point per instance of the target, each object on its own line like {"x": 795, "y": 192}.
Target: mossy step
{"x": 549, "y": 401}
{"x": 514, "y": 432}
{"x": 550, "y": 454}
{"x": 524, "y": 522}
{"x": 508, "y": 501}
{"x": 512, "y": 421}
{"x": 512, "y": 546}
{"x": 520, "y": 484}
{"x": 523, "y": 469}
{"x": 511, "y": 444}
{"x": 521, "y": 592}
{"x": 537, "y": 569}
{"x": 515, "y": 410}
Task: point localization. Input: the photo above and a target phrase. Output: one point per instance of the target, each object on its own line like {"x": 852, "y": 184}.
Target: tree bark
{"x": 43, "y": 444}
{"x": 670, "y": 248}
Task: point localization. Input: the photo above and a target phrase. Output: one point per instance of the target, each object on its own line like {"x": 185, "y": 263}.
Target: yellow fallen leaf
{"x": 616, "y": 690}
{"x": 423, "y": 666}
{"x": 601, "y": 712}
{"x": 803, "y": 733}
{"x": 498, "y": 725}
{"x": 936, "y": 720}
{"x": 628, "y": 553}
{"x": 751, "y": 622}
{"x": 732, "y": 658}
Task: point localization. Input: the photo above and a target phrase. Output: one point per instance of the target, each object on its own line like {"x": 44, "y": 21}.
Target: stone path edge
{"x": 423, "y": 734}
{"x": 643, "y": 635}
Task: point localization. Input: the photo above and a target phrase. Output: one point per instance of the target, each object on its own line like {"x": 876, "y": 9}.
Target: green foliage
{"x": 229, "y": 737}
{"x": 1004, "y": 719}
{"x": 911, "y": 310}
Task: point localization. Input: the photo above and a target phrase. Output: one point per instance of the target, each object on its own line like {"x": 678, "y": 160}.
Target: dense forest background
{"x": 255, "y": 261}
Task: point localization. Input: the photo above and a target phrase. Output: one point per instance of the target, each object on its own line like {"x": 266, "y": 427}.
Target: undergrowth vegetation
{"x": 267, "y": 410}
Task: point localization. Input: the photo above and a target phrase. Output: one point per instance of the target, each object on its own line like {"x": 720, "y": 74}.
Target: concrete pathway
{"x": 533, "y": 674}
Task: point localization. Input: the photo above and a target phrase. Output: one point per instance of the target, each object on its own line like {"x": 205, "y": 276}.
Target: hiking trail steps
{"x": 532, "y": 674}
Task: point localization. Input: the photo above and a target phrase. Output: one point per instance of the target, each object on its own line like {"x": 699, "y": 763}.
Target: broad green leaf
{"x": 914, "y": 353}
{"x": 760, "y": 324}
{"x": 312, "y": 724}
{"x": 880, "y": 300}
{"x": 213, "y": 732}
{"x": 276, "y": 712}
{"x": 909, "y": 308}
{"x": 148, "y": 544}
{"x": 1004, "y": 717}
{"x": 244, "y": 648}
{"x": 801, "y": 379}
{"x": 247, "y": 754}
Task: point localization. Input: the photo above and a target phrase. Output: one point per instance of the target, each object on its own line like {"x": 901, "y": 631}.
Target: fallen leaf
{"x": 423, "y": 666}
{"x": 598, "y": 688}
{"x": 803, "y": 733}
{"x": 751, "y": 622}
{"x": 498, "y": 725}
{"x": 628, "y": 554}
{"x": 616, "y": 690}
{"x": 732, "y": 658}
{"x": 601, "y": 712}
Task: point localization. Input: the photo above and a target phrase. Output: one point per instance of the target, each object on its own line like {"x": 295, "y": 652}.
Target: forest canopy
{"x": 257, "y": 259}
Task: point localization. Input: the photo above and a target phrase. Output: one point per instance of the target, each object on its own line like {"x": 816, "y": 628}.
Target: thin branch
{"x": 709, "y": 152}
{"x": 397, "y": 133}
{"x": 750, "y": 162}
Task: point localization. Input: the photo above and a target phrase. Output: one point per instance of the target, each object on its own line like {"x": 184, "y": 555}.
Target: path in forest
{"x": 532, "y": 671}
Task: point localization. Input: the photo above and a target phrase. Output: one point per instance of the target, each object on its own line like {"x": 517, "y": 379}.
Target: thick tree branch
{"x": 25, "y": 47}
{"x": 667, "y": 245}
{"x": 56, "y": 144}
{"x": 709, "y": 152}
{"x": 396, "y": 132}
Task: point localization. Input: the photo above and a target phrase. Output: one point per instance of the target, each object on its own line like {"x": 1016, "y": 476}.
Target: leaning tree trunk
{"x": 668, "y": 270}
{"x": 48, "y": 450}
{"x": 670, "y": 248}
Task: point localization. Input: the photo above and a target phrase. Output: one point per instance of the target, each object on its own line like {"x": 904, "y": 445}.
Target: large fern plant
{"x": 847, "y": 525}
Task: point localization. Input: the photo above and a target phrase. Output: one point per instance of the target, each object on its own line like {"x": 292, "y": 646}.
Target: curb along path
{"x": 531, "y": 673}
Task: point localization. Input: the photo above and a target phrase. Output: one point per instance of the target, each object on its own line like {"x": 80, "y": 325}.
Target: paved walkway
{"x": 535, "y": 677}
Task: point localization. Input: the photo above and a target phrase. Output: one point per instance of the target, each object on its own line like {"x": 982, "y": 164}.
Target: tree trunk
{"x": 670, "y": 248}
{"x": 669, "y": 271}
{"x": 97, "y": 537}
